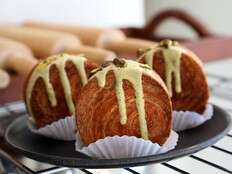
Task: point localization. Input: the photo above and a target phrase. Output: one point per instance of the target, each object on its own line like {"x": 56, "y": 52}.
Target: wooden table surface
{"x": 207, "y": 49}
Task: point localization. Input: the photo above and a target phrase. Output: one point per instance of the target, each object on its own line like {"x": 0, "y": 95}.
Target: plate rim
{"x": 120, "y": 162}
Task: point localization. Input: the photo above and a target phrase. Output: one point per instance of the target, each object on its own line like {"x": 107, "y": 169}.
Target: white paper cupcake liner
{"x": 125, "y": 147}
{"x": 63, "y": 129}
{"x": 183, "y": 120}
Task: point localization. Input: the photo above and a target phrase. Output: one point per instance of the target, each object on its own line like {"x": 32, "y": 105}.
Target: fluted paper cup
{"x": 125, "y": 147}
{"x": 183, "y": 120}
{"x": 63, "y": 129}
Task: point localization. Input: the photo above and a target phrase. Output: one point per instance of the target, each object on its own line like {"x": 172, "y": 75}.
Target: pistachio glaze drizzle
{"x": 131, "y": 71}
{"x": 42, "y": 71}
{"x": 172, "y": 59}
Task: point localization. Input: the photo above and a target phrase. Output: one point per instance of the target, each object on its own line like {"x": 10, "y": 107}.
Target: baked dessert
{"x": 182, "y": 72}
{"x": 124, "y": 97}
{"x": 53, "y": 86}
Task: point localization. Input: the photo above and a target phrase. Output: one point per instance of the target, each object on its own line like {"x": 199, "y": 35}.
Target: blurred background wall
{"x": 113, "y": 13}
{"x": 120, "y": 13}
{"x": 216, "y": 15}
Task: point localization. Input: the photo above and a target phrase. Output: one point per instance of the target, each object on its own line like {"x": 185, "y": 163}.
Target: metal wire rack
{"x": 215, "y": 159}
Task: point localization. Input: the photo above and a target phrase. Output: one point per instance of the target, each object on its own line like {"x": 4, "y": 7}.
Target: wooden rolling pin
{"x": 97, "y": 55}
{"x": 111, "y": 39}
{"x": 4, "y": 79}
{"x": 16, "y": 56}
{"x": 45, "y": 42}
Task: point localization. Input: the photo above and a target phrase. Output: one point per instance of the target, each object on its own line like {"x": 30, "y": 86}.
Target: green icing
{"x": 42, "y": 71}
{"x": 172, "y": 57}
{"x": 132, "y": 71}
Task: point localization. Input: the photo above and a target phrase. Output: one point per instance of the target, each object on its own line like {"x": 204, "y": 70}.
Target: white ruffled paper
{"x": 125, "y": 147}
{"x": 63, "y": 129}
{"x": 183, "y": 120}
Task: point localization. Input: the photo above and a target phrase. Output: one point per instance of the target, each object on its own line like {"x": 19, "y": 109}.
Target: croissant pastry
{"x": 182, "y": 72}
{"x": 53, "y": 86}
{"x": 124, "y": 97}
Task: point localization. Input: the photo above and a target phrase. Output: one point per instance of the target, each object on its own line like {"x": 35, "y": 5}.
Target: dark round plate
{"x": 62, "y": 153}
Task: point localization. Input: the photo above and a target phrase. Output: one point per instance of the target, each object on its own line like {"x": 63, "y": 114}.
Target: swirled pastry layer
{"x": 124, "y": 99}
{"x": 182, "y": 71}
{"x": 53, "y": 86}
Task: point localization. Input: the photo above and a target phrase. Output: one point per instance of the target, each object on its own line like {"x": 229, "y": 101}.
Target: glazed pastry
{"x": 124, "y": 97}
{"x": 182, "y": 72}
{"x": 53, "y": 86}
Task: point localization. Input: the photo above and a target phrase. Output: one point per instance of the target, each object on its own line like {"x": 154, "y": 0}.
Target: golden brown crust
{"x": 194, "y": 95}
{"x": 98, "y": 114}
{"x": 43, "y": 112}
